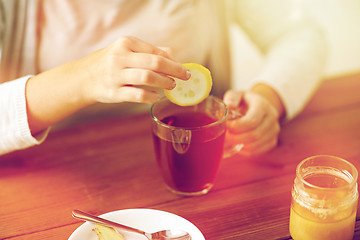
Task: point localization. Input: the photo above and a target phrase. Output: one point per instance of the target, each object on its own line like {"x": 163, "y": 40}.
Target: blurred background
{"x": 340, "y": 20}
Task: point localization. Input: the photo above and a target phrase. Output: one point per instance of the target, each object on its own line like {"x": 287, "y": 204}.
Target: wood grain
{"x": 109, "y": 164}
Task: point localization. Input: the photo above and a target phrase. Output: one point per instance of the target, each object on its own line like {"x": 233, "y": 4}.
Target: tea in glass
{"x": 189, "y": 143}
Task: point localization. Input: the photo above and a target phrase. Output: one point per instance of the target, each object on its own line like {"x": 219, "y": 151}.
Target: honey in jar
{"x": 324, "y": 199}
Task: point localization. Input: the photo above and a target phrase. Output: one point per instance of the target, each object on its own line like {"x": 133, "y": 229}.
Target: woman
{"x": 73, "y": 54}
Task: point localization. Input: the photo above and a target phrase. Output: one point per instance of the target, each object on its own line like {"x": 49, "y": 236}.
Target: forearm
{"x": 294, "y": 49}
{"x": 54, "y": 95}
{"x": 293, "y": 67}
{"x": 114, "y": 74}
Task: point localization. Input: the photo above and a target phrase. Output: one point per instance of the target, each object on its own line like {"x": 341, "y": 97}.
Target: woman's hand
{"x": 258, "y": 129}
{"x": 122, "y": 72}
{"x": 119, "y": 72}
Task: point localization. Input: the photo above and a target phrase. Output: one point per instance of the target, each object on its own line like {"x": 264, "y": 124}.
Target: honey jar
{"x": 324, "y": 199}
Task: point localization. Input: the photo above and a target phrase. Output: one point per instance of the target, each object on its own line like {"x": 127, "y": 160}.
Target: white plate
{"x": 148, "y": 220}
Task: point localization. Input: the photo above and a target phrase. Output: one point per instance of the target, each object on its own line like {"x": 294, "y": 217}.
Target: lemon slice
{"x": 194, "y": 90}
{"x": 107, "y": 233}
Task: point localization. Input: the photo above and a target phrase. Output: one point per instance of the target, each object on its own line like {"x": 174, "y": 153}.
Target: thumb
{"x": 232, "y": 98}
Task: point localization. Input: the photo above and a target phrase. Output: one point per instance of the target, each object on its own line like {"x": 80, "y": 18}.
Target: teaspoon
{"x": 160, "y": 235}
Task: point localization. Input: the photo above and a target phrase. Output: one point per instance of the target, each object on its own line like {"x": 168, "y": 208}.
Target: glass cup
{"x": 189, "y": 143}
{"x": 324, "y": 199}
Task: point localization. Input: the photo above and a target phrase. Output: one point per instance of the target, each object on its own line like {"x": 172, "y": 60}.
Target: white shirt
{"x": 197, "y": 31}
{"x": 14, "y": 128}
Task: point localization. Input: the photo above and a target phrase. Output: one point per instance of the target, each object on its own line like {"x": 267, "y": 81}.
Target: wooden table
{"x": 109, "y": 165}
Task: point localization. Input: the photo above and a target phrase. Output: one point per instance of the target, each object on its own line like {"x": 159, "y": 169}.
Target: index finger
{"x": 158, "y": 64}
{"x": 139, "y": 46}
{"x": 233, "y": 98}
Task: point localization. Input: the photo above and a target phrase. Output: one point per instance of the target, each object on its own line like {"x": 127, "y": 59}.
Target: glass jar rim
{"x": 353, "y": 175}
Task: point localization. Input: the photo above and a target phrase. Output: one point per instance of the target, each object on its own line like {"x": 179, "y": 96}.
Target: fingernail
{"x": 188, "y": 74}
{"x": 173, "y": 85}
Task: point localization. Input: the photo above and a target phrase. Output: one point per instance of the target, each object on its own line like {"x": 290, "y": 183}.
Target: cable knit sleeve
{"x": 14, "y": 128}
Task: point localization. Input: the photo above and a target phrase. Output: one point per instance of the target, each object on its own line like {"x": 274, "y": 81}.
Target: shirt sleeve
{"x": 292, "y": 45}
{"x": 14, "y": 128}
{"x": 294, "y": 67}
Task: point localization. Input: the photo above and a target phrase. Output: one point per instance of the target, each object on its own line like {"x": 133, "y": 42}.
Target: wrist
{"x": 79, "y": 79}
{"x": 272, "y": 96}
